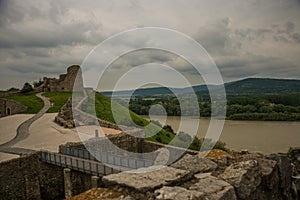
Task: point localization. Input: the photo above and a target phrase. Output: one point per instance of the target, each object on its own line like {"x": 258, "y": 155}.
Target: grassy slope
{"x": 58, "y": 99}
{"x": 33, "y": 103}
{"x": 103, "y": 111}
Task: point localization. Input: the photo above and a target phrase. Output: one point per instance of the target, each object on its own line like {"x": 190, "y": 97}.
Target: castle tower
{"x": 67, "y": 81}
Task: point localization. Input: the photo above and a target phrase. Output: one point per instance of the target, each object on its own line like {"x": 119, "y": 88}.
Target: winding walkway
{"x": 23, "y": 130}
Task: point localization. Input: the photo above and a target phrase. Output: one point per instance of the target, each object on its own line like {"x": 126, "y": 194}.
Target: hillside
{"x": 103, "y": 111}
{"x": 263, "y": 86}
{"x": 240, "y": 87}
{"x": 163, "y": 135}
{"x": 33, "y": 103}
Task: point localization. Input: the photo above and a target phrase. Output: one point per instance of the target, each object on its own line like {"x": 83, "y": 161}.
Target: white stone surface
{"x": 9, "y": 125}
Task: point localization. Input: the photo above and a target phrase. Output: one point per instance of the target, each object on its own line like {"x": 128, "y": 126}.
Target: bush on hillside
{"x": 27, "y": 88}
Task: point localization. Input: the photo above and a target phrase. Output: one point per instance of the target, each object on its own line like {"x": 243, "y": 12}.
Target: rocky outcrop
{"x": 177, "y": 193}
{"x": 213, "y": 188}
{"x": 65, "y": 118}
{"x": 246, "y": 176}
{"x": 195, "y": 164}
{"x": 148, "y": 179}
{"x": 285, "y": 173}
{"x": 65, "y": 115}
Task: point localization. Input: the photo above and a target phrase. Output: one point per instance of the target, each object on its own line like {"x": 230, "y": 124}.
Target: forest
{"x": 265, "y": 107}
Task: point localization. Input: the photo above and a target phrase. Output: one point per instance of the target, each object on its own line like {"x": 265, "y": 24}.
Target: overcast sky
{"x": 245, "y": 38}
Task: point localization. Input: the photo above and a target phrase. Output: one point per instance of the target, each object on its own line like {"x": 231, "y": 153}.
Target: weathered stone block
{"x": 269, "y": 171}
{"x": 195, "y": 164}
{"x": 244, "y": 176}
{"x": 213, "y": 188}
{"x": 285, "y": 174}
{"x": 156, "y": 177}
{"x": 178, "y": 193}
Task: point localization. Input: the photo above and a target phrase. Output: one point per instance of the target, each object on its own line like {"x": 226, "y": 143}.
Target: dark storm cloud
{"x": 244, "y": 38}
{"x": 29, "y": 26}
{"x": 286, "y": 33}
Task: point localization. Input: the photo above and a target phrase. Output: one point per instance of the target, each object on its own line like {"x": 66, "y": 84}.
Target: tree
{"x": 37, "y": 83}
{"x": 27, "y": 88}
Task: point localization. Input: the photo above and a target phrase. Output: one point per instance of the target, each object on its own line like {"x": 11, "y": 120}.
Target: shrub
{"x": 27, "y": 88}
{"x": 168, "y": 128}
{"x": 37, "y": 83}
{"x": 158, "y": 139}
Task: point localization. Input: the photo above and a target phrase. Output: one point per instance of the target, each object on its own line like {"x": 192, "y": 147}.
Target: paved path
{"x": 23, "y": 129}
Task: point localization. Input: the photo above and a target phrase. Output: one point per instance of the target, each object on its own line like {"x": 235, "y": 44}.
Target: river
{"x": 256, "y": 136}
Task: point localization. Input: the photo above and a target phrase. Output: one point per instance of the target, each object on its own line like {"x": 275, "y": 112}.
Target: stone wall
{"x": 245, "y": 177}
{"x": 64, "y": 83}
{"x": 220, "y": 175}
{"x": 123, "y": 141}
{"x": 10, "y": 107}
{"x": 9, "y": 94}
{"x": 130, "y": 143}
{"x": 65, "y": 115}
{"x": 29, "y": 178}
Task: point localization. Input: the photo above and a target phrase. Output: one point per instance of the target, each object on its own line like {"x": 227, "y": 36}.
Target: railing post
{"x": 83, "y": 165}
{"x": 104, "y": 170}
{"x": 94, "y": 180}
{"x": 67, "y": 183}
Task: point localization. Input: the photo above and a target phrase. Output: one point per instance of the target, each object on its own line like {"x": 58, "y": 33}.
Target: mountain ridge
{"x": 239, "y": 87}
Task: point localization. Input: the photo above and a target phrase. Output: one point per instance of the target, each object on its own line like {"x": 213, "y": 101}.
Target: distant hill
{"x": 241, "y": 87}
{"x": 263, "y": 85}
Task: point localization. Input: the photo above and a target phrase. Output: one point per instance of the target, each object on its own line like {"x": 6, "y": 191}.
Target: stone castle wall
{"x": 27, "y": 178}
{"x": 64, "y": 83}
{"x": 235, "y": 175}
{"x": 10, "y": 107}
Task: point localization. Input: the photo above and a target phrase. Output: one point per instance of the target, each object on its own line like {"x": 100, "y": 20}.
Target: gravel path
{"x": 23, "y": 129}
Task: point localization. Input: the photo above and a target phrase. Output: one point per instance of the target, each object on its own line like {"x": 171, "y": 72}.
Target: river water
{"x": 256, "y": 136}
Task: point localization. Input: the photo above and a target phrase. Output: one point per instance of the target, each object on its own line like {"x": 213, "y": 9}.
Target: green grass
{"x": 9, "y": 90}
{"x": 103, "y": 111}
{"x": 57, "y": 99}
{"x": 33, "y": 103}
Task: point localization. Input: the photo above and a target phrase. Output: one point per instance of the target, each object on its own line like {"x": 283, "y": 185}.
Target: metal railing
{"x": 108, "y": 158}
{"x": 78, "y": 164}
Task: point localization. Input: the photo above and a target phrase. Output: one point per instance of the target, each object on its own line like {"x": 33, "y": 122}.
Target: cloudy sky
{"x": 248, "y": 38}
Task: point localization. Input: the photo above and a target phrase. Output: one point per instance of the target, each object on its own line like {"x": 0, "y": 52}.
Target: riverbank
{"x": 264, "y": 136}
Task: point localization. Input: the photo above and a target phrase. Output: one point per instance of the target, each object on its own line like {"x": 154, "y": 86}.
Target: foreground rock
{"x": 244, "y": 176}
{"x": 178, "y": 193}
{"x": 285, "y": 173}
{"x": 142, "y": 181}
{"x": 213, "y": 188}
{"x": 247, "y": 176}
{"x": 195, "y": 164}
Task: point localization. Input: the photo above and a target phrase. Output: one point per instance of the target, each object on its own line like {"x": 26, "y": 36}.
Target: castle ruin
{"x": 64, "y": 83}
{"x": 10, "y": 107}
